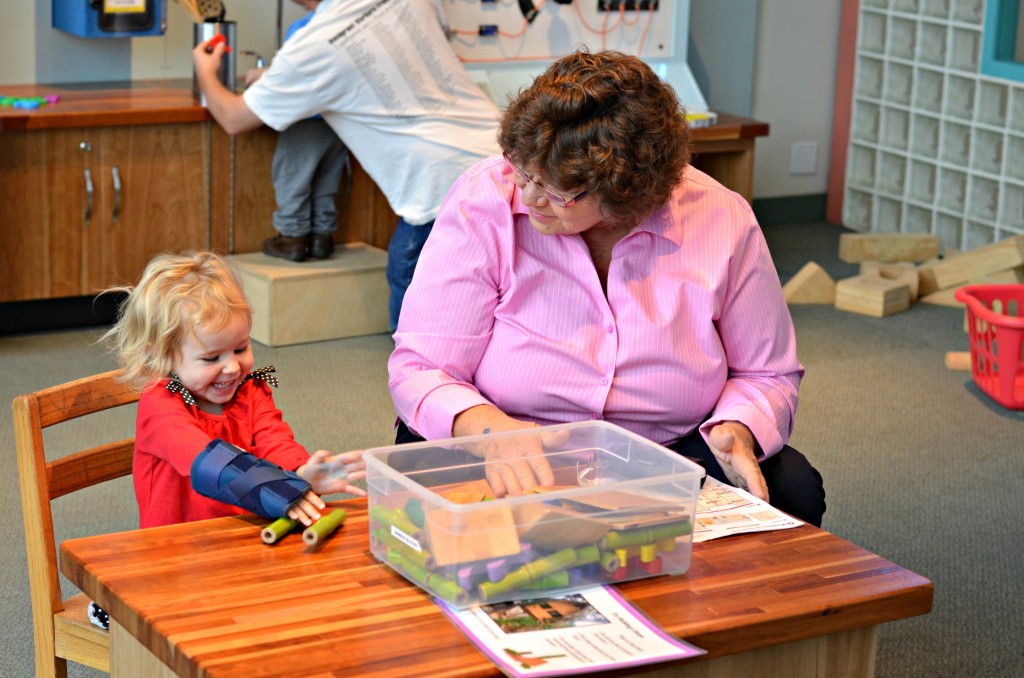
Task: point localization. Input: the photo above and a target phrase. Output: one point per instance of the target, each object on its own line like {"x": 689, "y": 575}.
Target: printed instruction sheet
{"x": 590, "y": 630}
{"x": 724, "y": 510}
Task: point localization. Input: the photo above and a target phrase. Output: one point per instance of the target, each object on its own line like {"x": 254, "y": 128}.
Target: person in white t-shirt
{"x": 383, "y": 76}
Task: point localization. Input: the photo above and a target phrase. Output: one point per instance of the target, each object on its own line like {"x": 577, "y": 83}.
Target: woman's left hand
{"x": 734, "y": 447}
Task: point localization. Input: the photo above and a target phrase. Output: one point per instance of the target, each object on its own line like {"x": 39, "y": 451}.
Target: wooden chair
{"x": 61, "y": 628}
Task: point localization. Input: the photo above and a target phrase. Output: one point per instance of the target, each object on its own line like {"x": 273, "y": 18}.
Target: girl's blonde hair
{"x": 176, "y": 297}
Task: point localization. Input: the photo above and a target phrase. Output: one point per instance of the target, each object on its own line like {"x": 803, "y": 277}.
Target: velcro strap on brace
{"x": 226, "y": 474}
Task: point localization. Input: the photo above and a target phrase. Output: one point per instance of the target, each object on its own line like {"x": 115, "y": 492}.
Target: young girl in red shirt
{"x": 182, "y": 337}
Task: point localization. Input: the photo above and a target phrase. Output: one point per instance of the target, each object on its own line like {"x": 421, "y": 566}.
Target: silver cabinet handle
{"x": 88, "y": 196}
{"x": 117, "y": 193}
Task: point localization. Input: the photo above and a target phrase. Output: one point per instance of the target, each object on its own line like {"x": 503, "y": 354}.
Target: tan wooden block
{"x": 857, "y": 247}
{"x": 941, "y": 298}
{"x": 926, "y": 275}
{"x": 903, "y": 271}
{"x": 958, "y": 361}
{"x": 872, "y": 295}
{"x": 462, "y": 537}
{"x": 976, "y": 263}
{"x": 947, "y": 297}
{"x": 293, "y": 303}
{"x": 811, "y": 285}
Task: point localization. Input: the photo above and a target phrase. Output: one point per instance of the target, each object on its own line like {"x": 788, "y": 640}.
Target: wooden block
{"x": 857, "y": 247}
{"x": 941, "y": 298}
{"x": 462, "y": 537}
{"x": 872, "y": 295}
{"x": 902, "y": 271}
{"x": 293, "y": 303}
{"x": 554, "y": 528}
{"x": 958, "y": 360}
{"x": 983, "y": 261}
{"x": 811, "y": 285}
{"x": 947, "y": 297}
{"x": 926, "y": 275}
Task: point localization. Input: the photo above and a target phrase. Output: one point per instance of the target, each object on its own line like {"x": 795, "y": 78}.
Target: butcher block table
{"x": 211, "y": 599}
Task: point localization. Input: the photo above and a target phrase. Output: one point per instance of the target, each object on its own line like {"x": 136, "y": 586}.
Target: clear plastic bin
{"x": 620, "y": 508}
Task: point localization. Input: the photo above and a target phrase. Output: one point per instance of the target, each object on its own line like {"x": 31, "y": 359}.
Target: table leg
{"x": 130, "y": 659}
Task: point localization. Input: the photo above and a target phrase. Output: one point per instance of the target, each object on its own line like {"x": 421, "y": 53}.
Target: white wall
{"x": 794, "y": 84}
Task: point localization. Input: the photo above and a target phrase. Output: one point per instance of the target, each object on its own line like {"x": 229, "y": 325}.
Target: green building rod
{"x": 528, "y": 573}
{"x": 442, "y": 586}
{"x": 277, "y": 529}
{"x": 395, "y": 517}
{"x": 557, "y": 580}
{"x": 645, "y": 535}
{"x": 321, "y": 529}
{"x": 421, "y": 558}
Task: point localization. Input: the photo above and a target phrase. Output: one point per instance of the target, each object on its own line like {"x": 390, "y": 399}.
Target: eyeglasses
{"x": 552, "y": 197}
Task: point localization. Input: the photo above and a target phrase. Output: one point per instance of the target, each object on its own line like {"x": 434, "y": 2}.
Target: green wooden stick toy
{"x": 645, "y": 535}
{"x": 529, "y": 572}
{"x": 323, "y": 528}
{"x": 277, "y": 529}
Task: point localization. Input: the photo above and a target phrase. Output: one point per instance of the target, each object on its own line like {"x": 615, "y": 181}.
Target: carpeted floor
{"x": 919, "y": 465}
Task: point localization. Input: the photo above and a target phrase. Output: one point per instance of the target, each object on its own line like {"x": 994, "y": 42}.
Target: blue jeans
{"x": 403, "y": 253}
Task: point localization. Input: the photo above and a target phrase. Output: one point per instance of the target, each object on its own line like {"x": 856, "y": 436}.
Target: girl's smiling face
{"x": 212, "y": 363}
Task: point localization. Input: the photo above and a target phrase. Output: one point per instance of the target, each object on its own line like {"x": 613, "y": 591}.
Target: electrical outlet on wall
{"x": 803, "y": 158}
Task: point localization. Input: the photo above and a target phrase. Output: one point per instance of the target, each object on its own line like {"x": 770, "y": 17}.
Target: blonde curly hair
{"x": 176, "y": 297}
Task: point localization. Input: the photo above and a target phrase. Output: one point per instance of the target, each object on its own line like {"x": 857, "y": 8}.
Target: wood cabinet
{"x": 86, "y": 208}
{"x": 165, "y": 177}
{"x": 364, "y": 214}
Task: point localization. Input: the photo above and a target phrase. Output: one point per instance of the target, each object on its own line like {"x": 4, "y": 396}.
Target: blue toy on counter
{"x": 28, "y": 102}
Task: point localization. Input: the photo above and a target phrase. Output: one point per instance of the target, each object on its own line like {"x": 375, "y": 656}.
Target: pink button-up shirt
{"x": 693, "y": 331}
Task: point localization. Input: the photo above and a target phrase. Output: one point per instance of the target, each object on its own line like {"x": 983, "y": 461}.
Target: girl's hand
{"x": 307, "y": 509}
{"x": 331, "y": 474}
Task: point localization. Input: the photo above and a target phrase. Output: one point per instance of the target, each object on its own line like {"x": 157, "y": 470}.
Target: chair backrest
{"x": 41, "y": 482}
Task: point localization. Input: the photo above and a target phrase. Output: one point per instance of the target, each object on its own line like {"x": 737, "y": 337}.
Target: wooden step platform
{"x": 295, "y": 303}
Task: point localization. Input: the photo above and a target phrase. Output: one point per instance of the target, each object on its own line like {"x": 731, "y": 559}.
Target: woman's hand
{"x": 515, "y": 464}
{"x": 734, "y": 447}
{"x": 329, "y": 474}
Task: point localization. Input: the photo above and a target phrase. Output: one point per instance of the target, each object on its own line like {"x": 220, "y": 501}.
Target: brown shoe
{"x": 321, "y": 245}
{"x": 283, "y": 247}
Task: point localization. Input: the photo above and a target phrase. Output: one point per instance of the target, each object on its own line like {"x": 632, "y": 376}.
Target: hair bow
{"x": 175, "y": 386}
{"x": 264, "y": 374}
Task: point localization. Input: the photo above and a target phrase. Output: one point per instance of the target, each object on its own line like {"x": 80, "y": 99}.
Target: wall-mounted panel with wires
{"x": 626, "y": 5}
{"x": 504, "y": 31}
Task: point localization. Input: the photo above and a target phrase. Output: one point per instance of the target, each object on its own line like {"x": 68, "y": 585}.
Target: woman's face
{"x": 546, "y": 215}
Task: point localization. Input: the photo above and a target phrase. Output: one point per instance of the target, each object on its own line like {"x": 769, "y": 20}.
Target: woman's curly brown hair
{"x": 604, "y": 122}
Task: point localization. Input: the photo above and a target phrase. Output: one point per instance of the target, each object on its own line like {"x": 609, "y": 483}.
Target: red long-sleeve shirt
{"x": 169, "y": 434}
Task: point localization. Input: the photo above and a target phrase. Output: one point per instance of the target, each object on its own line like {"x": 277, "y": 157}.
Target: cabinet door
{"x": 364, "y": 217}
{"x": 45, "y": 210}
{"x": 254, "y": 202}
{"x": 152, "y": 198}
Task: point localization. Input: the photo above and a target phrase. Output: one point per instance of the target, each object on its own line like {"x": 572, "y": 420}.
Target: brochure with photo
{"x": 590, "y": 630}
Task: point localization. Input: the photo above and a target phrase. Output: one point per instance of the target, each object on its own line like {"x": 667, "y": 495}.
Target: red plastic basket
{"x": 995, "y": 325}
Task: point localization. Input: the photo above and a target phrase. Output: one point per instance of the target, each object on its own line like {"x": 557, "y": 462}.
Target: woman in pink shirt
{"x": 589, "y": 272}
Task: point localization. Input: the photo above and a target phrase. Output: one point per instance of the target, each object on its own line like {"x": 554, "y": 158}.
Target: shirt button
{"x": 604, "y": 381}
{"x": 595, "y": 415}
{"x": 611, "y": 329}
